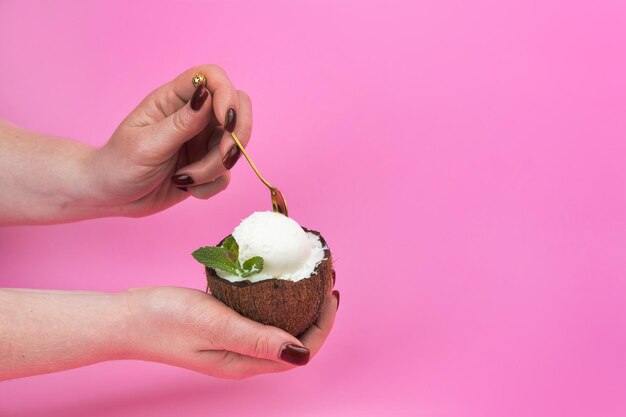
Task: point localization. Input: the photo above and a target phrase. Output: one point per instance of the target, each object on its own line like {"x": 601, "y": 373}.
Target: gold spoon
{"x": 279, "y": 204}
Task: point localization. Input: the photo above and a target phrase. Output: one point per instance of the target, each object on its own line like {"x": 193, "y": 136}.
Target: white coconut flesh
{"x": 288, "y": 251}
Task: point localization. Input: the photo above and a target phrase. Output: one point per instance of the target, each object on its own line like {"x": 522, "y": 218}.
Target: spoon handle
{"x": 279, "y": 203}
{"x": 254, "y": 168}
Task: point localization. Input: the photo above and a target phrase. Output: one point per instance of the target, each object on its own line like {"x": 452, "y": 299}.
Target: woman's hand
{"x": 47, "y": 331}
{"x": 190, "y": 329}
{"x": 171, "y": 146}
{"x": 176, "y": 143}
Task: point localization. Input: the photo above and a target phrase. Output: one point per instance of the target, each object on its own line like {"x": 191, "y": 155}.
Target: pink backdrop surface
{"x": 466, "y": 162}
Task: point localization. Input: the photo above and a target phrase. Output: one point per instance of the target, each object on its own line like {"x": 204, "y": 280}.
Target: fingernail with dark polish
{"x": 231, "y": 157}
{"x": 231, "y": 120}
{"x": 182, "y": 188}
{"x": 294, "y": 354}
{"x": 182, "y": 179}
{"x": 336, "y": 294}
{"x": 198, "y": 98}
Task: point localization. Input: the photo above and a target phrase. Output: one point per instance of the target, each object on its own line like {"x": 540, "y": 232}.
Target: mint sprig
{"x": 226, "y": 258}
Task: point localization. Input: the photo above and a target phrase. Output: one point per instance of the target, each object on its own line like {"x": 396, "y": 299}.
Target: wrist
{"x": 143, "y": 324}
{"x": 90, "y": 195}
{"x": 129, "y": 322}
{"x": 153, "y": 324}
{"x": 116, "y": 336}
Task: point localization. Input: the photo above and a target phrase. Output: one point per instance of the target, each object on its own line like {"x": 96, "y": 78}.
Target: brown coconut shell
{"x": 291, "y": 306}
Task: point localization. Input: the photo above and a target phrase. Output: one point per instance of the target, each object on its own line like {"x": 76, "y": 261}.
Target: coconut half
{"x": 290, "y": 305}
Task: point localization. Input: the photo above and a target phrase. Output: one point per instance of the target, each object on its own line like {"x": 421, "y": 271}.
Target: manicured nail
{"x": 294, "y": 354}
{"x": 198, "y": 98}
{"x": 231, "y": 120}
{"x": 336, "y": 294}
{"x": 334, "y": 277}
{"x": 231, "y": 157}
{"x": 182, "y": 179}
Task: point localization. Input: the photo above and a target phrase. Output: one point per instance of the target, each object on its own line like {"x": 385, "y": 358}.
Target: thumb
{"x": 169, "y": 134}
{"x": 247, "y": 337}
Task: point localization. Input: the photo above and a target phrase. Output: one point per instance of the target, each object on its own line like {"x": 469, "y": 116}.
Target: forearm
{"x": 46, "y": 180}
{"x": 47, "y": 331}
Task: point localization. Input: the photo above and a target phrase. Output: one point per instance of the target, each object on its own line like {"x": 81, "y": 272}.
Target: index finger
{"x": 217, "y": 82}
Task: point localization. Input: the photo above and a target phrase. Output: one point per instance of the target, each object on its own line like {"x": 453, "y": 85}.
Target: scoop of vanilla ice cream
{"x": 288, "y": 251}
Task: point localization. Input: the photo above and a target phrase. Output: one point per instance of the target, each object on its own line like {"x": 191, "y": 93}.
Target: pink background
{"x": 466, "y": 162}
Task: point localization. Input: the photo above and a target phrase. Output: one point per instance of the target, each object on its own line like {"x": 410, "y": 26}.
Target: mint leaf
{"x": 252, "y": 266}
{"x": 217, "y": 258}
{"x": 230, "y": 244}
{"x": 226, "y": 258}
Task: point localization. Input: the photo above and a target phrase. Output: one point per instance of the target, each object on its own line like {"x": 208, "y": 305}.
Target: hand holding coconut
{"x": 189, "y": 329}
{"x": 48, "y": 331}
